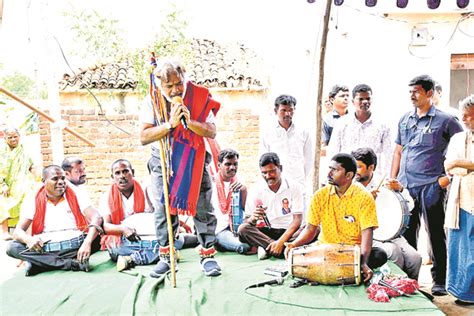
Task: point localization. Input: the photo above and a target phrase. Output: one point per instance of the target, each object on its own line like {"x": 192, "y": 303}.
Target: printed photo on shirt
{"x": 285, "y": 206}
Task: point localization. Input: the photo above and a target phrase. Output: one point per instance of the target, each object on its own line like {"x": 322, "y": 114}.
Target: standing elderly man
{"x": 460, "y": 210}
{"x": 292, "y": 144}
{"x": 361, "y": 130}
{"x": 274, "y": 210}
{"x": 190, "y": 113}
{"x": 58, "y": 218}
{"x": 423, "y": 137}
{"x": 16, "y": 169}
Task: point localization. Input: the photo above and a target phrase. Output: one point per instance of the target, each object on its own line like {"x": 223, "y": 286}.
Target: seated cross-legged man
{"x": 129, "y": 220}
{"x": 344, "y": 212}
{"x": 63, "y": 228}
{"x": 226, "y": 185}
{"x": 398, "y": 249}
{"x": 274, "y": 210}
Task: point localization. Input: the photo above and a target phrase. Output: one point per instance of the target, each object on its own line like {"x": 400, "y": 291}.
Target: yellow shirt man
{"x": 343, "y": 218}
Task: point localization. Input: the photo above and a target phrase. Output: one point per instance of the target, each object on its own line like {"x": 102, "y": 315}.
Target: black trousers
{"x": 429, "y": 204}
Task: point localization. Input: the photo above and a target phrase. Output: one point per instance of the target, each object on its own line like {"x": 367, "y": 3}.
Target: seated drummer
{"x": 346, "y": 213}
{"x": 398, "y": 249}
{"x": 59, "y": 218}
{"x": 125, "y": 198}
{"x": 281, "y": 201}
{"x": 225, "y": 182}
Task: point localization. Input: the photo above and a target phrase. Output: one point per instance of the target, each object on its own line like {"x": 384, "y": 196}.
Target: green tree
{"x": 96, "y": 36}
{"x": 20, "y": 84}
{"x": 169, "y": 41}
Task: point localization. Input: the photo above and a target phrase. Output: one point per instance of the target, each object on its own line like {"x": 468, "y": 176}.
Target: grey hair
{"x": 466, "y": 103}
{"x": 11, "y": 129}
{"x": 165, "y": 67}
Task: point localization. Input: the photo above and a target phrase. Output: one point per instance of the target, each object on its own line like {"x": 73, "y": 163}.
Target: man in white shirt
{"x": 361, "y": 130}
{"x": 292, "y": 144}
{"x": 274, "y": 210}
{"x": 225, "y": 186}
{"x": 125, "y": 198}
{"x": 398, "y": 249}
{"x": 133, "y": 235}
{"x": 59, "y": 219}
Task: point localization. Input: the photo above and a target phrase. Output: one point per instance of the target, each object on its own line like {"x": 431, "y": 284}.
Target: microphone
{"x": 278, "y": 281}
{"x": 180, "y": 101}
{"x": 259, "y": 203}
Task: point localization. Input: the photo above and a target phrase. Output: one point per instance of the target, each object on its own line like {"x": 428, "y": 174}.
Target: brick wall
{"x": 111, "y": 144}
{"x": 237, "y": 127}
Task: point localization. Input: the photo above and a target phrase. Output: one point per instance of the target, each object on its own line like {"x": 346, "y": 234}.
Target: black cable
{"x": 102, "y": 112}
{"x": 419, "y": 309}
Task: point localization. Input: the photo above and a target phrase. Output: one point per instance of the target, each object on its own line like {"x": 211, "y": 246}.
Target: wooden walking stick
{"x": 161, "y": 117}
{"x": 168, "y": 214}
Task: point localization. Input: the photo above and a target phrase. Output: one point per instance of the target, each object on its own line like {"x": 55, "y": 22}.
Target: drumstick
{"x": 381, "y": 181}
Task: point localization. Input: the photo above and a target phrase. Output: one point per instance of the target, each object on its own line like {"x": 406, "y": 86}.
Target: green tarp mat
{"x": 104, "y": 291}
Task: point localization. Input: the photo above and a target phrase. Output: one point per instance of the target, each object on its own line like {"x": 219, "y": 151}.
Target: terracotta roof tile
{"x": 229, "y": 65}
{"x": 120, "y": 75}
{"x": 214, "y": 65}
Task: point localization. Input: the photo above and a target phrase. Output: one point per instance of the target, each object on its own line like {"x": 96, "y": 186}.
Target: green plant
{"x": 170, "y": 41}
{"x": 96, "y": 36}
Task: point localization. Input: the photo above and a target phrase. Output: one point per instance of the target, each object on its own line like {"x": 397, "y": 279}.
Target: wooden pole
{"x": 168, "y": 214}
{"x": 46, "y": 116}
{"x": 322, "y": 56}
{"x": 161, "y": 113}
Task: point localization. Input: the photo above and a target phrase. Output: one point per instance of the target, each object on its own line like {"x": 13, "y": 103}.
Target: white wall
{"x": 362, "y": 46}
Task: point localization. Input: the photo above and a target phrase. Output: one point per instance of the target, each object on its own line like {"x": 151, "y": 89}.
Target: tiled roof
{"x": 120, "y": 75}
{"x": 217, "y": 65}
{"x": 214, "y": 65}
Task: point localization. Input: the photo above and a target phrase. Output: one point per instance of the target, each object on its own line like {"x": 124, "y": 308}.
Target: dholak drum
{"x": 143, "y": 223}
{"x": 334, "y": 264}
{"x": 393, "y": 214}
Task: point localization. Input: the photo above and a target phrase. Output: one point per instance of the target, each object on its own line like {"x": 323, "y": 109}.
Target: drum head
{"x": 143, "y": 223}
{"x": 389, "y": 215}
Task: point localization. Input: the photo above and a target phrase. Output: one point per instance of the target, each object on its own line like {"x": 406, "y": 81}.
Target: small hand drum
{"x": 143, "y": 223}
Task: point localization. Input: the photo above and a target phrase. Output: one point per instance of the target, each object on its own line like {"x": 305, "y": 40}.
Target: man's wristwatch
{"x": 168, "y": 126}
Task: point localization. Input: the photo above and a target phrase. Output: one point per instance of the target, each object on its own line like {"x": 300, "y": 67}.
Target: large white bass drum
{"x": 393, "y": 214}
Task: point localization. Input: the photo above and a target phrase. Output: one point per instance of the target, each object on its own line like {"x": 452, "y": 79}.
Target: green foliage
{"x": 170, "y": 41}
{"x": 96, "y": 35}
{"x": 92, "y": 31}
{"x": 19, "y": 84}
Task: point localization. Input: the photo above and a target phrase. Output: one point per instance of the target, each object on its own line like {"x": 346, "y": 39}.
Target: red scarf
{"x": 116, "y": 205}
{"x": 224, "y": 201}
{"x": 189, "y": 152}
{"x": 117, "y": 214}
{"x": 40, "y": 204}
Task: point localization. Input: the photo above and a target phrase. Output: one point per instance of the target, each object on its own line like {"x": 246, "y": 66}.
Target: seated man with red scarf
{"x": 229, "y": 194}
{"x": 63, "y": 227}
{"x": 177, "y": 116}
{"x": 130, "y": 237}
